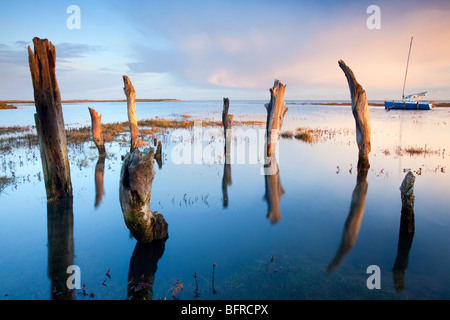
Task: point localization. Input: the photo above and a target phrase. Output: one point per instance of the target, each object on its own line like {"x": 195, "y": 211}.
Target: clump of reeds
{"x": 287, "y": 134}
{"x": 306, "y": 135}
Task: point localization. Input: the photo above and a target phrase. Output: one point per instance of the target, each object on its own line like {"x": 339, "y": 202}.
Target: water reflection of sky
{"x": 318, "y": 180}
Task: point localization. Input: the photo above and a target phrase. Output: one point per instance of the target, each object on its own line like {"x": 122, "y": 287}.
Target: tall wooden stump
{"x": 135, "y": 191}
{"x": 227, "y": 121}
{"x": 131, "y": 106}
{"x": 49, "y": 120}
{"x": 360, "y": 109}
{"x": 97, "y": 131}
{"x": 406, "y": 233}
{"x": 276, "y": 109}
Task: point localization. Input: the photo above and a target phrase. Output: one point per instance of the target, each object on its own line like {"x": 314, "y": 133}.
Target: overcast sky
{"x": 214, "y": 49}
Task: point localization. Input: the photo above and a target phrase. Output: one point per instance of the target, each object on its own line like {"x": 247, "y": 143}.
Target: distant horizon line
{"x": 375, "y": 102}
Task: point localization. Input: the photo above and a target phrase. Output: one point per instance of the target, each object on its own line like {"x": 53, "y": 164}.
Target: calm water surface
{"x": 217, "y": 214}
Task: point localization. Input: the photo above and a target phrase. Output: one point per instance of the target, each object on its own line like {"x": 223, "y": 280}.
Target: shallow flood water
{"x": 228, "y": 239}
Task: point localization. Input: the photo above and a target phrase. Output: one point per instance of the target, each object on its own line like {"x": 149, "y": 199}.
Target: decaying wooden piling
{"x": 49, "y": 120}
{"x": 97, "y": 131}
{"x": 407, "y": 193}
{"x": 136, "y": 178}
{"x": 406, "y": 232}
{"x": 276, "y": 109}
{"x": 354, "y": 219}
{"x": 360, "y": 109}
{"x": 131, "y": 106}
{"x": 227, "y": 119}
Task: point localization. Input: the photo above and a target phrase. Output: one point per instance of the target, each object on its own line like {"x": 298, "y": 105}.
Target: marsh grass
{"x": 4, "y": 105}
{"x": 5, "y": 182}
{"x": 314, "y": 135}
{"x": 306, "y": 135}
{"x": 17, "y": 136}
{"x": 412, "y": 151}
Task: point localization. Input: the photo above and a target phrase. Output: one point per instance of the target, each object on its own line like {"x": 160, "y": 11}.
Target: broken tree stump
{"x": 97, "y": 131}
{"x": 130, "y": 93}
{"x": 406, "y": 233}
{"x": 407, "y": 193}
{"x": 360, "y": 109}
{"x": 276, "y": 109}
{"x": 135, "y": 190}
{"x": 49, "y": 120}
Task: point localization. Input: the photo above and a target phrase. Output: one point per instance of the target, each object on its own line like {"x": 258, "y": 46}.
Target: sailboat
{"x": 409, "y": 102}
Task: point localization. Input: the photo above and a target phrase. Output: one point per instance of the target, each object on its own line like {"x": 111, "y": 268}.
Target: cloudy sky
{"x": 214, "y": 49}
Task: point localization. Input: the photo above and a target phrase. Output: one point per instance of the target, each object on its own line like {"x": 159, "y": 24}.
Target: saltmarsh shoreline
{"x": 10, "y": 103}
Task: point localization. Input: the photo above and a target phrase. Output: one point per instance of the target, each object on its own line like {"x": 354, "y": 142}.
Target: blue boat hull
{"x": 407, "y": 105}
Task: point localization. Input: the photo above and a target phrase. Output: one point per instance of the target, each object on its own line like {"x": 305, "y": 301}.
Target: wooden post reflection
{"x": 143, "y": 265}
{"x": 99, "y": 173}
{"x": 226, "y": 181}
{"x": 406, "y": 233}
{"x": 60, "y": 246}
{"x": 274, "y": 189}
{"x": 354, "y": 219}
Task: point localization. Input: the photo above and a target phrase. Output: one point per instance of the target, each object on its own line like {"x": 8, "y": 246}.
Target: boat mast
{"x": 406, "y": 72}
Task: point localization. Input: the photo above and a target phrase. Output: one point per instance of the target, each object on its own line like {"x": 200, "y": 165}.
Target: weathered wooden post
{"x": 407, "y": 224}
{"x": 354, "y": 219}
{"x": 407, "y": 231}
{"x": 227, "y": 121}
{"x": 360, "y": 109}
{"x": 136, "y": 178}
{"x": 276, "y": 109}
{"x": 49, "y": 120}
{"x": 97, "y": 131}
{"x": 131, "y": 106}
